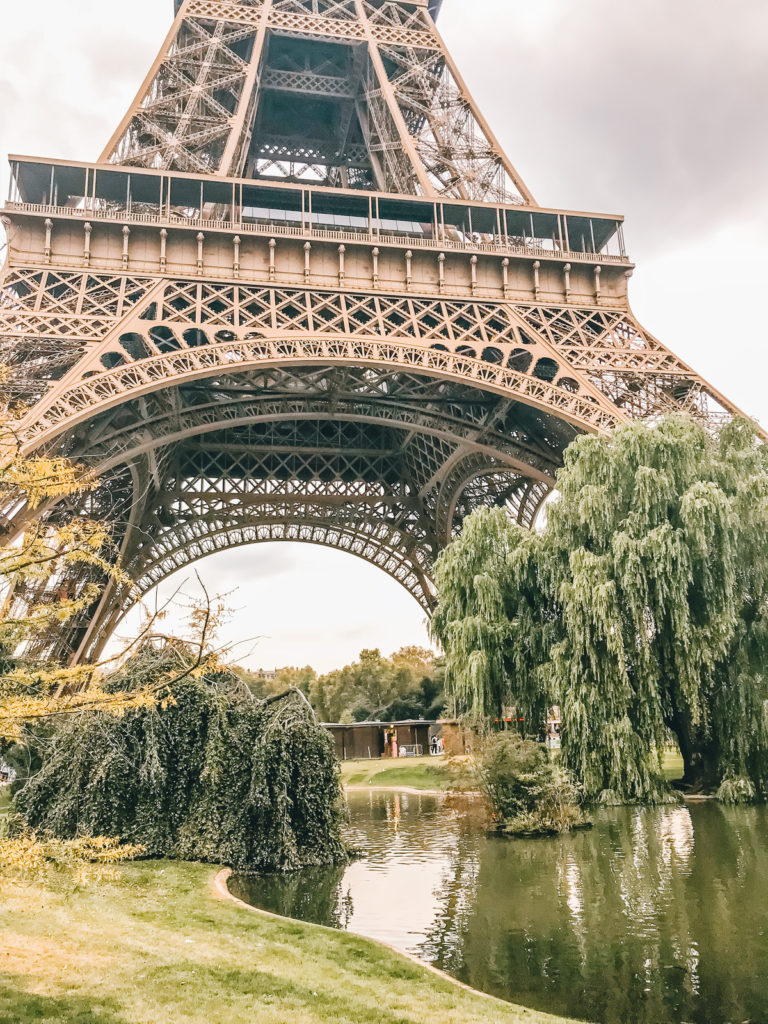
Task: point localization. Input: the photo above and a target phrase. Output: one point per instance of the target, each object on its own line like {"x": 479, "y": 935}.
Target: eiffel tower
{"x": 304, "y": 295}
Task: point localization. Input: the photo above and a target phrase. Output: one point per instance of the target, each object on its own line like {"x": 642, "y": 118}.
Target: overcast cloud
{"x": 656, "y": 106}
{"x": 651, "y": 108}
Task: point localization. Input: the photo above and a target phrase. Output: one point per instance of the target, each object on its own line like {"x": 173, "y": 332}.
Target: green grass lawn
{"x": 157, "y": 946}
{"x": 440, "y": 773}
{"x": 672, "y": 765}
{"x": 424, "y": 773}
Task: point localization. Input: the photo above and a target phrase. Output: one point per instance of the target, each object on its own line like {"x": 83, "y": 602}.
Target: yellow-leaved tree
{"x": 37, "y": 567}
{"x": 34, "y": 571}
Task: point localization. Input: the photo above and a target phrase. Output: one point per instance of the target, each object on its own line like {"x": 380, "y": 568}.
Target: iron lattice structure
{"x": 304, "y": 295}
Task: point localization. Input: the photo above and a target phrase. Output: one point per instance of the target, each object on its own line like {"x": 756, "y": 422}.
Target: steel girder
{"x": 398, "y": 110}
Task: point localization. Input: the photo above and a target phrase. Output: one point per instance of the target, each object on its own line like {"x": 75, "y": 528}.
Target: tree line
{"x": 408, "y": 684}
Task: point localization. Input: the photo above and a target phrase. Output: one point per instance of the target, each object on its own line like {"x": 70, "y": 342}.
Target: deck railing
{"x": 534, "y": 249}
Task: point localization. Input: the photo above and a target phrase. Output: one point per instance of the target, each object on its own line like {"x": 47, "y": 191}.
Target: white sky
{"x": 654, "y": 109}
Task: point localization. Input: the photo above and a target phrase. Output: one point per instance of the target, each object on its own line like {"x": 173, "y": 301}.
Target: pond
{"x": 654, "y": 917}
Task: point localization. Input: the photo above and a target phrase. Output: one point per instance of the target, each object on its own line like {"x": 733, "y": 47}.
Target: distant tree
{"x": 333, "y": 694}
{"x": 378, "y": 682}
{"x": 409, "y": 684}
{"x": 418, "y": 661}
{"x": 284, "y": 679}
{"x": 295, "y": 678}
{"x": 321, "y": 697}
{"x": 425, "y": 699}
{"x": 641, "y": 609}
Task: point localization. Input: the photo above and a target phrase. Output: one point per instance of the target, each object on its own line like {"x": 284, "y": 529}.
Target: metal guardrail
{"x": 321, "y": 234}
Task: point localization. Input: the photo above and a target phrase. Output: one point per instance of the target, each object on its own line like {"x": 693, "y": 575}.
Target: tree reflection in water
{"x": 654, "y": 917}
{"x": 314, "y": 894}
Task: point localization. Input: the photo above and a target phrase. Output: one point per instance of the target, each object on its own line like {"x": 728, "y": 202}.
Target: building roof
{"x": 382, "y": 725}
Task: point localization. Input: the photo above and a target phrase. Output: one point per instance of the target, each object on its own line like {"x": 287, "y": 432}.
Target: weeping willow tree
{"x": 210, "y": 774}
{"x": 657, "y": 551}
{"x": 645, "y": 601}
{"x": 492, "y": 619}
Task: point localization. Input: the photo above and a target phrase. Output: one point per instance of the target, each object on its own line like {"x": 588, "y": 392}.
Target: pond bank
{"x": 158, "y": 944}
{"x": 222, "y": 890}
{"x": 414, "y": 791}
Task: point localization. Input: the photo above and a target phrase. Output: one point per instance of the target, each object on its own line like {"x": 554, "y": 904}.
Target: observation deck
{"x": 155, "y": 221}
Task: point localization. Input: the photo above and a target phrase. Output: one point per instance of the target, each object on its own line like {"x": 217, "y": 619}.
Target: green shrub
{"x": 211, "y": 775}
{"x": 526, "y": 793}
{"x": 737, "y": 790}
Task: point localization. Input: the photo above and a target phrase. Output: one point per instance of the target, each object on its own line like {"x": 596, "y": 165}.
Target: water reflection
{"x": 653, "y": 917}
